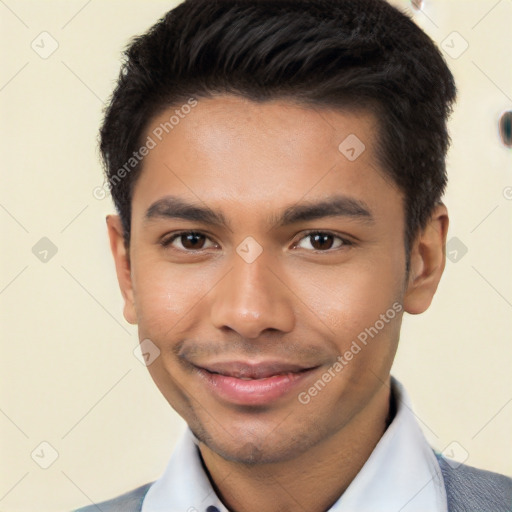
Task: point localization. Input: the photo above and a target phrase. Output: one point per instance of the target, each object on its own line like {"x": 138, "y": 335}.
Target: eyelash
{"x": 166, "y": 242}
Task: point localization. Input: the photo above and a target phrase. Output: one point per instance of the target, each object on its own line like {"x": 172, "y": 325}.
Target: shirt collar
{"x": 401, "y": 474}
{"x": 184, "y": 485}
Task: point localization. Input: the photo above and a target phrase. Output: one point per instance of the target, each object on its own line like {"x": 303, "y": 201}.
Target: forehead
{"x": 233, "y": 151}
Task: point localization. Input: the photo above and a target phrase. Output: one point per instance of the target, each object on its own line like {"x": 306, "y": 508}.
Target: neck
{"x": 312, "y": 481}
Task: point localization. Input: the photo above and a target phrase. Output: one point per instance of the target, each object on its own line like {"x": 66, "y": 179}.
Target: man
{"x": 277, "y": 168}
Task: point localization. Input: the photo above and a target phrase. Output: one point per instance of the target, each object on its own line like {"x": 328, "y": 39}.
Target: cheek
{"x": 165, "y": 295}
{"x": 349, "y": 298}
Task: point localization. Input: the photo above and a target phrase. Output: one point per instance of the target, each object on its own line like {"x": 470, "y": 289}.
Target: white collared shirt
{"x": 401, "y": 475}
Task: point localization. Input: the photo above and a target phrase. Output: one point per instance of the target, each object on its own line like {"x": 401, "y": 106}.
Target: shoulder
{"x": 471, "y": 489}
{"x": 128, "y": 502}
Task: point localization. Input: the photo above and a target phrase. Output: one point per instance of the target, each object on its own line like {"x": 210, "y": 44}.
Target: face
{"x": 267, "y": 265}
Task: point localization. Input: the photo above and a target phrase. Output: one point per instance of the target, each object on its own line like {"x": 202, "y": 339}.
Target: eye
{"x": 323, "y": 241}
{"x": 189, "y": 241}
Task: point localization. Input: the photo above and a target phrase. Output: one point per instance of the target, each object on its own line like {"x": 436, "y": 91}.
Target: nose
{"x": 252, "y": 299}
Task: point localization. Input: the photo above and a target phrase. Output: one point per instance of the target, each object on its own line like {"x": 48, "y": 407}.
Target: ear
{"x": 123, "y": 269}
{"x": 427, "y": 261}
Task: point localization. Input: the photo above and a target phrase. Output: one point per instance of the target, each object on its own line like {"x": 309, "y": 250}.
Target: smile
{"x": 252, "y": 384}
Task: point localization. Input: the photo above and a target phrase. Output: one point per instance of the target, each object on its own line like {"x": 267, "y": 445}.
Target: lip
{"x": 245, "y": 383}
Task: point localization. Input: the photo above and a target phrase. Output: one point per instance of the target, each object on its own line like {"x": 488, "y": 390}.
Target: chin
{"x": 258, "y": 447}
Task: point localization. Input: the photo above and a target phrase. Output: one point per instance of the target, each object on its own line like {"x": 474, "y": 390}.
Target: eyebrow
{"x": 173, "y": 207}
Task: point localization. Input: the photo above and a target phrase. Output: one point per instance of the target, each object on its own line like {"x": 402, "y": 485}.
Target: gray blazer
{"x": 468, "y": 490}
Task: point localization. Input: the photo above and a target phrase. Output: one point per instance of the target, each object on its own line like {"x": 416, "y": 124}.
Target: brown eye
{"x": 189, "y": 241}
{"x": 323, "y": 241}
{"x": 192, "y": 241}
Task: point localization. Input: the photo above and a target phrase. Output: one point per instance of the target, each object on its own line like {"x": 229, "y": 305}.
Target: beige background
{"x": 69, "y": 374}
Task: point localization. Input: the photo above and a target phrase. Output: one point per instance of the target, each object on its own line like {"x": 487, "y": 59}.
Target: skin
{"x": 250, "y": 161}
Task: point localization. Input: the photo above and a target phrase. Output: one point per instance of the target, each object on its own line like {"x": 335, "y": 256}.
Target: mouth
{"x": 246, "y": 383}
